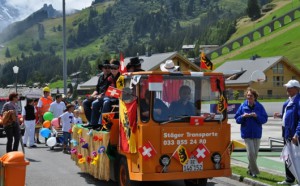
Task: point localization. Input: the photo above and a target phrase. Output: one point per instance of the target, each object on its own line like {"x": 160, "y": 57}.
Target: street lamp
{"x": 16, "y": 70}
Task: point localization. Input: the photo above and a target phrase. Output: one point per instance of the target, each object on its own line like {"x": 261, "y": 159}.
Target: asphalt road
{"x": 52, "y": 167}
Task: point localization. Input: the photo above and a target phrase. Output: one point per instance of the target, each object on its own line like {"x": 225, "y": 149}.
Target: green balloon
{"x": 48, "y": 116}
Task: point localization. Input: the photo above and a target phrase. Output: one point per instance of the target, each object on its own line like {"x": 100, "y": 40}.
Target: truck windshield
{"x": 180, "y": 98}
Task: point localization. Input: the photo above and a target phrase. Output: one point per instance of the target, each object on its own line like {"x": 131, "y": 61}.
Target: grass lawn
{"x": 263, "y": 177}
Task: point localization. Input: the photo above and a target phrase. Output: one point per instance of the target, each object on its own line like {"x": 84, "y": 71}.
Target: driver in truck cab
{"x": 183, "y": 107}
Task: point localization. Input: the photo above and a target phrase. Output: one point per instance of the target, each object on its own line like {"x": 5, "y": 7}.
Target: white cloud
{"x": 27, "y": 7}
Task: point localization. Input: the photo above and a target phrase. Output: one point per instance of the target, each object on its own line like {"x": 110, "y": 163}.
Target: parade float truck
{"x": 148, "y": 137}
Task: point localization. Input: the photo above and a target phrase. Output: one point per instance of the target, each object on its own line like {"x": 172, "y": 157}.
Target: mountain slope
{"x": 133, "y": 26}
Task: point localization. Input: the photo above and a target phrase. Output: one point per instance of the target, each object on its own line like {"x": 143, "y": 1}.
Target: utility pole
{"x": 64, "y": 49}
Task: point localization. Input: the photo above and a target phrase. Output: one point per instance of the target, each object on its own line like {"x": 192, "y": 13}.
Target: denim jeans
{"x": 87, "y": 104}
{"x": 106, "y": 107}
{"x": 95, "y": 109}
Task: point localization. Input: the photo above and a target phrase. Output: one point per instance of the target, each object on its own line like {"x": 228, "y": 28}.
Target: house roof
{"x": 150, "y": 63}
{"x": 247, "y": 66}
{"x": 92, "y": 82}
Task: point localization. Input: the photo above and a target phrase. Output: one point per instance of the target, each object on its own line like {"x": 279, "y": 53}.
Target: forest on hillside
{"x": 131, "y": 26}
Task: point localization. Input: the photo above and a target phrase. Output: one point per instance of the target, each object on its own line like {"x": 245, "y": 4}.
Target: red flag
{"x": 147, "y": 150}
{"x": 196, "y": 120}
{"x": 182, "y": 154}
{"x": 155, "y": 82}
{"x": 123, "y": 69}
{"x": 213, "y": 83}
{"x": 113, "y": 92}
{"x": 205, "y": 62}
{"x": 201, "y": 152}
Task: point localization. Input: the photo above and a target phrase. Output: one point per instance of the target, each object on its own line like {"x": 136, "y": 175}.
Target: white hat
{"x": 168, "y": 66}
{"x": 292, "y": 83}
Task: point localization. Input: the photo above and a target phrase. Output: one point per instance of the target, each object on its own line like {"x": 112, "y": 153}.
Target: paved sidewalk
{"x": 268, "y": 159}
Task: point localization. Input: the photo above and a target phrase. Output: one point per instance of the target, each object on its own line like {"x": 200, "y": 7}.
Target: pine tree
{"x": 7, "y": 53}
{"x": 253, "y": 9}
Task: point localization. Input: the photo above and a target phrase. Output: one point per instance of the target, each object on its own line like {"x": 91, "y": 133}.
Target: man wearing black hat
{"x": 92, "y": 102}
{"x": 134, "y": 65}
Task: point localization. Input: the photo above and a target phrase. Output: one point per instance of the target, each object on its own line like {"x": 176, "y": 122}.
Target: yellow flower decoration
{"x": 79, "y": 131}
{"x": 94, "y": 162}
{"x": 96, "y": 158}
{"x": 81, "y": 160}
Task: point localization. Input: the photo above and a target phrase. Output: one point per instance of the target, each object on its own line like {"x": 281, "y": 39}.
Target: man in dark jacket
{"x": 291, "y": 122}
{"x": 92, "y": 105}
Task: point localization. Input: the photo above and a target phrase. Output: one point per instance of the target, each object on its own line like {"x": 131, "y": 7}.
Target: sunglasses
{"x": 114, "y": 68}
{"x": 106, "y": 67}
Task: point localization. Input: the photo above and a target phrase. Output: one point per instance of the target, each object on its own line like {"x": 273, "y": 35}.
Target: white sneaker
{"x": 296, "y": 185}
{"x": 284, "y": 183}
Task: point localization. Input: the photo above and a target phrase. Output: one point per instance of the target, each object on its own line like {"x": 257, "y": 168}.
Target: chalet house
{"x": 151, "y": 63}
{"x": 278, "y": 71}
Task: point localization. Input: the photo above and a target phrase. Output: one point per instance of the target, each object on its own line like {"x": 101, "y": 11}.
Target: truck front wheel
{"x": 196, "y": 182}
{"x": 124, "y": 179}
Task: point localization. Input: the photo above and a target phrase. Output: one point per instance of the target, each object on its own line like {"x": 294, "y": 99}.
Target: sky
{"x": 30, "y": 6}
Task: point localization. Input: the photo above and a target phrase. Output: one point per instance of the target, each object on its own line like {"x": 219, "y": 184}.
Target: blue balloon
{"x": 45, "y": 132}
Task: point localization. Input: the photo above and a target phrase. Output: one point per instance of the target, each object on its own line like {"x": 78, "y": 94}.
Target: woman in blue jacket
{"x": 251, "y": 115}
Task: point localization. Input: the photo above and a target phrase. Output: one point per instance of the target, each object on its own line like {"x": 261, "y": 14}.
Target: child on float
{"x": 67, "y": 120}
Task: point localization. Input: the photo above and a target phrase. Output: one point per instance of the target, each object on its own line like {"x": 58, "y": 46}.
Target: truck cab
{"x": 179, "y": 128}
{"x": 166, "y": 126}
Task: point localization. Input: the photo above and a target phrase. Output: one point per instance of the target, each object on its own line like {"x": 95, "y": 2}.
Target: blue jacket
{"x": 251, "y": 127}
{"x": 292, "y": 117}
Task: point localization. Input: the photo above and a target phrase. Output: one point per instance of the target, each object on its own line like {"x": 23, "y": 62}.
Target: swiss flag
{"x": 147, "y": 150}
{"x": 155, "y": 82}
{"x": 113, "y": 92}
{"x": 196, "y": 120}
{"x": 201, "y": 152}
{"x": 123, "y": 69}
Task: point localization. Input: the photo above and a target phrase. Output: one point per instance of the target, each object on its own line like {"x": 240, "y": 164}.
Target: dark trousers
{"x": 13, "y": 134}
{"x": 289, "y": 177}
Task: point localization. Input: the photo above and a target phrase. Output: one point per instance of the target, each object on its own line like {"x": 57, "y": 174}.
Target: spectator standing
{"x": 81, "y": 110}
{"x": 37, "y": 124}
{"x": 57, "y": 107}
{"x": 28, "y": 113}
{"x": 67, "y": 120}
{"x": 44, "y": 105}
{"x": 11, "y": 126}
{"x": 290, "y": 126}
{"x": 251, "y": 115}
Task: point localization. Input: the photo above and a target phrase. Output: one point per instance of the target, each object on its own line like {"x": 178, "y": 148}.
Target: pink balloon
{"x": 54, "y": 122}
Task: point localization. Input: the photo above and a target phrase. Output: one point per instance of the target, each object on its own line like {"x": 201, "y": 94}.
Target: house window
{"x": 278, "y": 69}
{"x": 277, "y": 81}
{"x": 269, "y": 92}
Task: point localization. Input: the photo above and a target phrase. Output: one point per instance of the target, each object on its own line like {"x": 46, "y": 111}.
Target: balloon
{"x": 48, "y": 116}
{"x": 51, "y": 141}
{"x": 45, "y": 132}
{"x": 54, "y": 122}
{"x": 47, "y": 124}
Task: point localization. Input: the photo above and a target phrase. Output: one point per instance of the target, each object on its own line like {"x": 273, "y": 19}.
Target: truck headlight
{"x": 164, "y": 160}
{"x": 216, "y": 159}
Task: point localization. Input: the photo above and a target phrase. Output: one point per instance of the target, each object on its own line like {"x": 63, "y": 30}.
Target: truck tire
{"x": 196, "y": 182}
{"x": 123, "y": 174}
